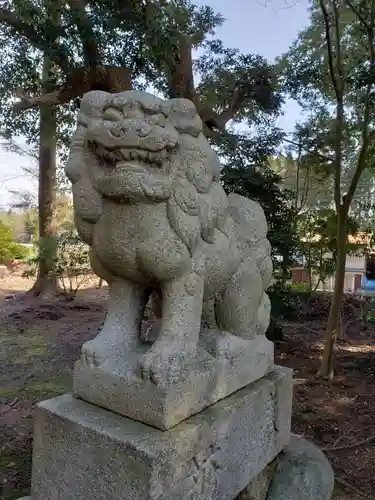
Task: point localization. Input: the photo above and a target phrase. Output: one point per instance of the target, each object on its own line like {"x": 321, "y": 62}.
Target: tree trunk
{"x": 328, "y": 360}
{"x": 46, "y": 281}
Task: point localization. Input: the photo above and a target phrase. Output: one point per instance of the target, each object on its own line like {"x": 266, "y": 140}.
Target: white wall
{"x": 353, "y": 262}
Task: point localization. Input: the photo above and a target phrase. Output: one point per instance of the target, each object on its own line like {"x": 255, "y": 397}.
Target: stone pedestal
{"x": 223, "y": 365}
{"x": 85, "y": 452}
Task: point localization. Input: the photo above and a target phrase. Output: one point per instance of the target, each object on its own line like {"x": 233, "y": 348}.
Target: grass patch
{"x": 23, "y": 347}
{"x": 60, "y": 384}
{"x": 38, "y": 389}
{"x": 9, "y": 392}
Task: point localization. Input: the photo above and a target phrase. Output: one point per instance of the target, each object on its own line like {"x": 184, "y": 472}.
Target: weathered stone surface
{"x": 83, "y": 452}
{"x": 303, "y": 473}
{"x": 259, "y": 486}
{"x": 115, "y": 387}
{"x": 149, "y": 202}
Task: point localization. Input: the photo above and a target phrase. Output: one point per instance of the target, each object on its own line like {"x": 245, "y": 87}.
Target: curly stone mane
{"x": 197, "y": 203}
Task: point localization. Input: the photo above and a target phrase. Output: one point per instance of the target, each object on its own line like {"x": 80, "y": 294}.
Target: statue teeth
{"x": 125, "y": 154}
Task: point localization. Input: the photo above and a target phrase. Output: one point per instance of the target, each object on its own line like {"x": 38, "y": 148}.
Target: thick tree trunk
{"x": 333, "y": 326}
{"x": 46, "y": 281}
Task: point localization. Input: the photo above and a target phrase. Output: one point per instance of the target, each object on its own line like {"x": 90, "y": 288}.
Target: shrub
{"x": 9, "y": 250}
{"x": 71, "y": 265}
{"x": 285, "y": 302}
{"x": 300, "y": 288}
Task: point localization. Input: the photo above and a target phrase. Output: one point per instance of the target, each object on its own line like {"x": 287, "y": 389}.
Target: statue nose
{"x": 144, "y": 129}
{"x": 119, "y": 129}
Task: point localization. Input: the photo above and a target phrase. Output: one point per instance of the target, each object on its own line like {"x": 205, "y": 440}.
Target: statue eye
{"x": 112, "y": 115}
{"x": 156, "y": 119}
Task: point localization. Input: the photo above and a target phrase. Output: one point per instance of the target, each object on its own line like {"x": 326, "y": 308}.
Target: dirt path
{"x": 338, "y": 415}
{"x": 39, "y": 343}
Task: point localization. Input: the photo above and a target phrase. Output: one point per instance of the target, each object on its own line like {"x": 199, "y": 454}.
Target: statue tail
{"x": 251, "y": 226}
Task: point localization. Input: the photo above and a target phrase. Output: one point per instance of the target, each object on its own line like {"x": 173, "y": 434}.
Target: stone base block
{"x": 224, "y": 366}
{"x": 82, "y": 452}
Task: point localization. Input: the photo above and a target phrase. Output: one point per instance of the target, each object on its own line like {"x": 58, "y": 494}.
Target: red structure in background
{"x": 300, "y": 275}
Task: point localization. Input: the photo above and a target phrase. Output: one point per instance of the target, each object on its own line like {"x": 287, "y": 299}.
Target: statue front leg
{"x": 168, "y": 358}
{"x": 120, "y": 334}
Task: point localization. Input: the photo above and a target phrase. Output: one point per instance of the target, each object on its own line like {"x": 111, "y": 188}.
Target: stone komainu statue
{"x": 148, "y": 201}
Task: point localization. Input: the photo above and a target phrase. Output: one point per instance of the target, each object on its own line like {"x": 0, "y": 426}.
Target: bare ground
{"x": 39, "y": 342}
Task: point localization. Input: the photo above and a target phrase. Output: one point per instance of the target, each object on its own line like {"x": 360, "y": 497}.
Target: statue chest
{"x": 127, "y": 237}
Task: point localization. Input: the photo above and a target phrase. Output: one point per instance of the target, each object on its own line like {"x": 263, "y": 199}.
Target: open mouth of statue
{"x": 133, "y": 155}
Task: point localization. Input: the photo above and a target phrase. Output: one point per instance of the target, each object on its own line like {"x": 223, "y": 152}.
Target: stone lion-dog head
{"x": 133, "y": 147}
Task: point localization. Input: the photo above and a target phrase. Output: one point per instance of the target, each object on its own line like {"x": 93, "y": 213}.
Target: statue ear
{"x": 93, "y": 102}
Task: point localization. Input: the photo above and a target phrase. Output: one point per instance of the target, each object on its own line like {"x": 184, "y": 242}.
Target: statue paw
{"x": 91, "y": 355}
{"x": 166, "y": 361}
{"x": 99, "y": 350}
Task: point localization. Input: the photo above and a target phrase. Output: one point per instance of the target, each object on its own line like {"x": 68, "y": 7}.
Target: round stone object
{"x": 303, "y": 472}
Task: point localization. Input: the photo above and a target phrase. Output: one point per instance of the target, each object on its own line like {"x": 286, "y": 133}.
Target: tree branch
{"x": 78, "y": 82}
{"x": 90, "y": 47}
{"x": 337, "y": 82}
{"x": 335, "y": 72}
{"x": 357, "y": 12}
{"x": 323, "y": 157}
{"x": 230, "y": 112}
{"x": 181, "y": 84}
{"x": 26, "y": 30}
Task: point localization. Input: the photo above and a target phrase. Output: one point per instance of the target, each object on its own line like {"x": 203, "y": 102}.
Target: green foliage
{"x": 71, "y": 265}
{"x": 31, "y": 226}
{"x": 145, "y": 37}
{"x": 246, "y": 172}
{"x": 305, "y": 76}
{"x": 142, "y": 36}
{"x": 300, "y": 288}
{"x": 305, "y": 67}
{"x": 134, "y": 35}
{"x": 317, "y": 230}
{"x": 10, "y": 250}
{"x": 306, "y": 171}
{"x": 220, "y": 69}
{"x": 285, "y": 301}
